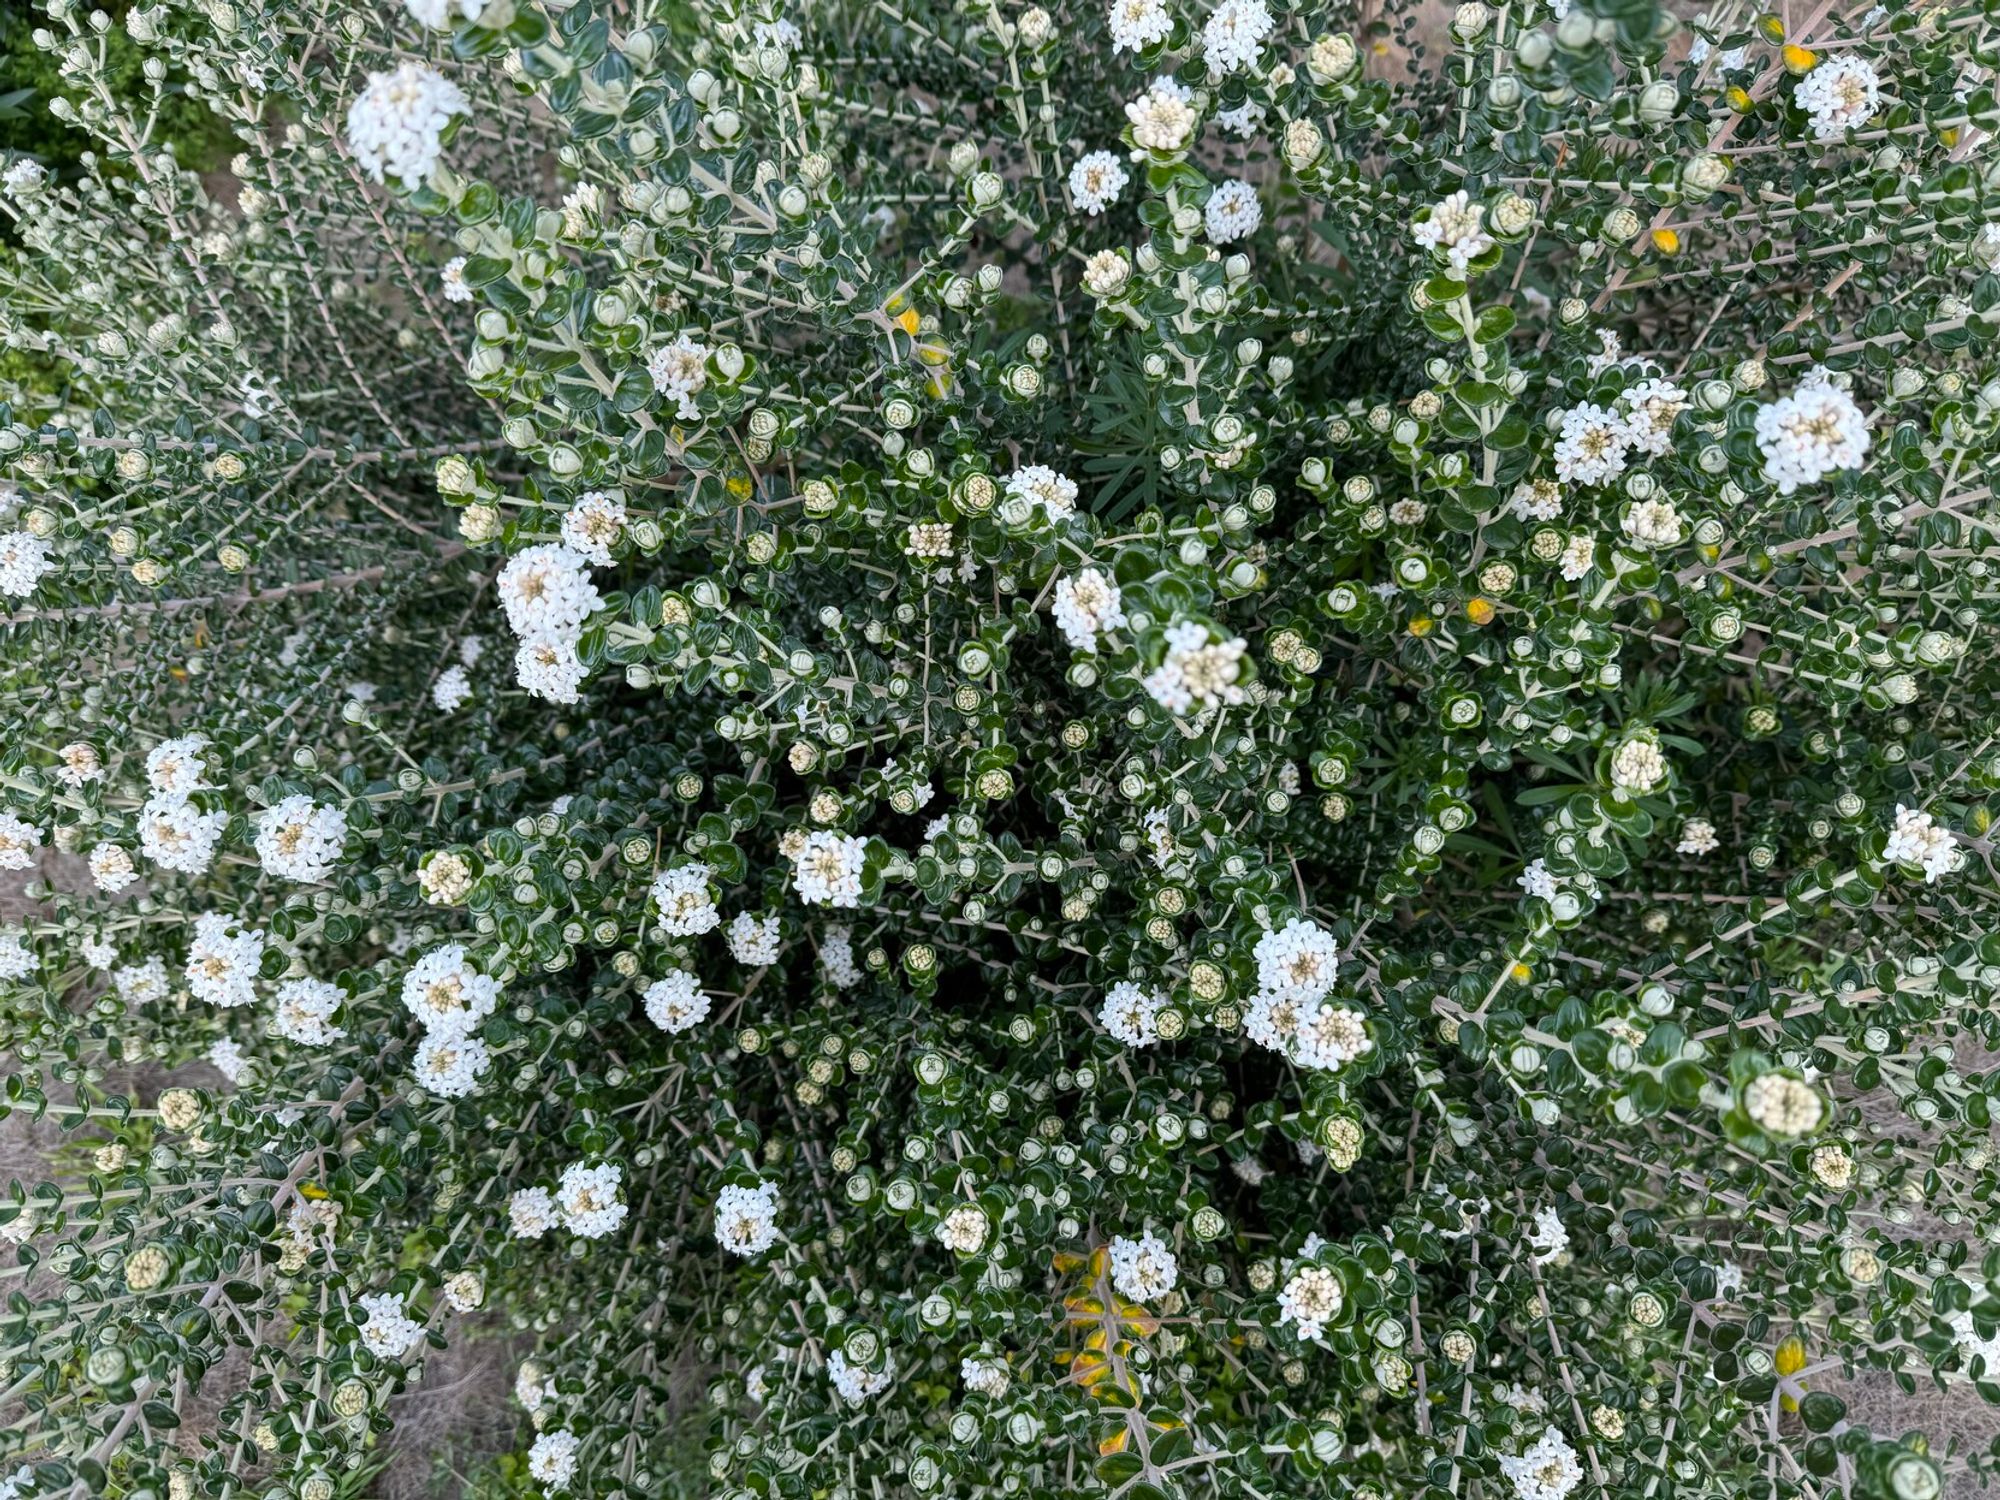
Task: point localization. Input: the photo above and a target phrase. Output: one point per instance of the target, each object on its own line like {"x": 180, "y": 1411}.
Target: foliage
{"x": 994, "y": 750}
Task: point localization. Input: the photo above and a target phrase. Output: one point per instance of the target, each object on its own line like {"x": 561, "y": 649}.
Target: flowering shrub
{"x": 1006, "y": 750}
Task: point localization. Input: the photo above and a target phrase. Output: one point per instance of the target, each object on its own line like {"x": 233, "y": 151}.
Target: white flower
{"x": 24, "y": 559}
{"x": 532, "y": 1388}
{"x": 174, "y": 767}
{"x": 984, "y": 1377}
{"x": 1162, "y": 117}
{"x": 753, "y": 940}
{"x": 746, "y": 1219}
{"x": 1918, "y": 840}
{"x": 1234, "y": 35}
{"x": 1591, "y": 448}
{"x": 141, "y": 983}
{"x": 1330, "y": 1037}
{"x": 1096, "y": 181}
{"x": 1537, "y": 881}
{"x": 581, "y": 205}
{"x": 1053, "y": 493}
{"x": 1106, "y": 273}
{"x": 1698, "y": 838}
{"x": 298, "y": 839}
{"x": 396, "y": 127}
{"x": 388, "y": 1333}
{"x": 1783, "y": 1105}
{"x": 1966, "y": 1335}
{"x": 1143, "y": 1269}
{"x": 1839, "y": 95}
{"x": 547, "y": 589}
{"x": 23, "y": 178}
{"x": 531, "y": 1213}
{"x": 1243, "y": 120}
{"x": 677, "y": 1002}
{"x": 447, "y": 995}
{"x": 1297, "y": 962}
{"x": 928, "y": 540}
{"x": 20, "y": 842}
{"x": 780, "y": 33}
{"x": 1548, "y": 1238}
{"x": 1651, "y": 409}
{"x": 594, "y": 525}
{"x": 222, "y": 961}
{"x": 450, "y": 1064}
{"x": 1456, "y": 229}
{"x": 856, "y": 1383}
{"x": 81, "y": 764}
{"x": 452, "y": 278}
{"x": 436, "y": 14}
{"x": 1233, "y": 211}
{"x": 1537, "y": 500}
{"x": 98, "y": 954}
{"x": 1814, "y": 432}
{"x": 680, "y": 370}
{"x": 552, "y": 1459}
{"x": 684, "y": 900}
{"x": 827, "y": 869}
{"x": 177, "y": 835}
{"x": 588, "y": 1200}
{"x": 1579, "y": 554}
{"x": 452, "y": 689}
{"x": 1087, "y": 605}
{"x": 1547, "y": 1471}
{"x": 471, "y": 649}
{"x": 1137, "y": 24}
{"x": 547, "y": 666}
{"x": 1653, "y": 523}
{"x": 305, "y": 1012}
{"x": 227, "y": 1058}
{"x": 836, "y": 958}
{"x": 465, "y": 1292}
{"x": 1728, "y": 1280}
{"x": 1198, "y": 671}
{"x": 1131, "y": 1014}
{"x": 1311, "y": 1299}
{"x": 17, "y": 959}
{"x": 1637, "y": 765}
{"x": 963, "y": 1230}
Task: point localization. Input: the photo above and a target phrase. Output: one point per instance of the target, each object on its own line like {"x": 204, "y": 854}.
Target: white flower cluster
{"x": 1130, "y": 1013}
{"x": 588, "y": 1199}
{"x": 396, "y": 125}
{"x": 676, "y": 1003}
{"x": 223, "y": 960}
{"x": 746, "y": 1219}
{"x": 1548, "y": 1470}
{"x": 685, "y": 901}
{"x": 299, "y": 839}
{"x": 1201, "y": 671}
{"x": 547, "y": 595}
{"x": 1144, "y": 1269}
{"x": 855, "y": 1382}
{"x": 827, "y": 869}
{"x": 449, "y": 998}
{"x": 1918, "y": 840}
{"x": 1814, "y": 432}
{"x": 389, "y": 1332}
{"x": 1087, "y": 604}
{"x": 304, "y": 1014}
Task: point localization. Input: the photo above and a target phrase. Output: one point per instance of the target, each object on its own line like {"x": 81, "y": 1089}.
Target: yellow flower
{"x": 1479, "y": 610}
{"x": 1799, "y": 59}
{"x": 1667, "y": 241}
{"x": 1790, "y": 1358}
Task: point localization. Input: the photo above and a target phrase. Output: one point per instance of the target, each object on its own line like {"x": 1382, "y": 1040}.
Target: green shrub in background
{"x": 1004, "y": 750}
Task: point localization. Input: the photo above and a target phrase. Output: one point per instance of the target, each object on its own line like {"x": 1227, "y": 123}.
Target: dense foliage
{"x": 991, "y": 750}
